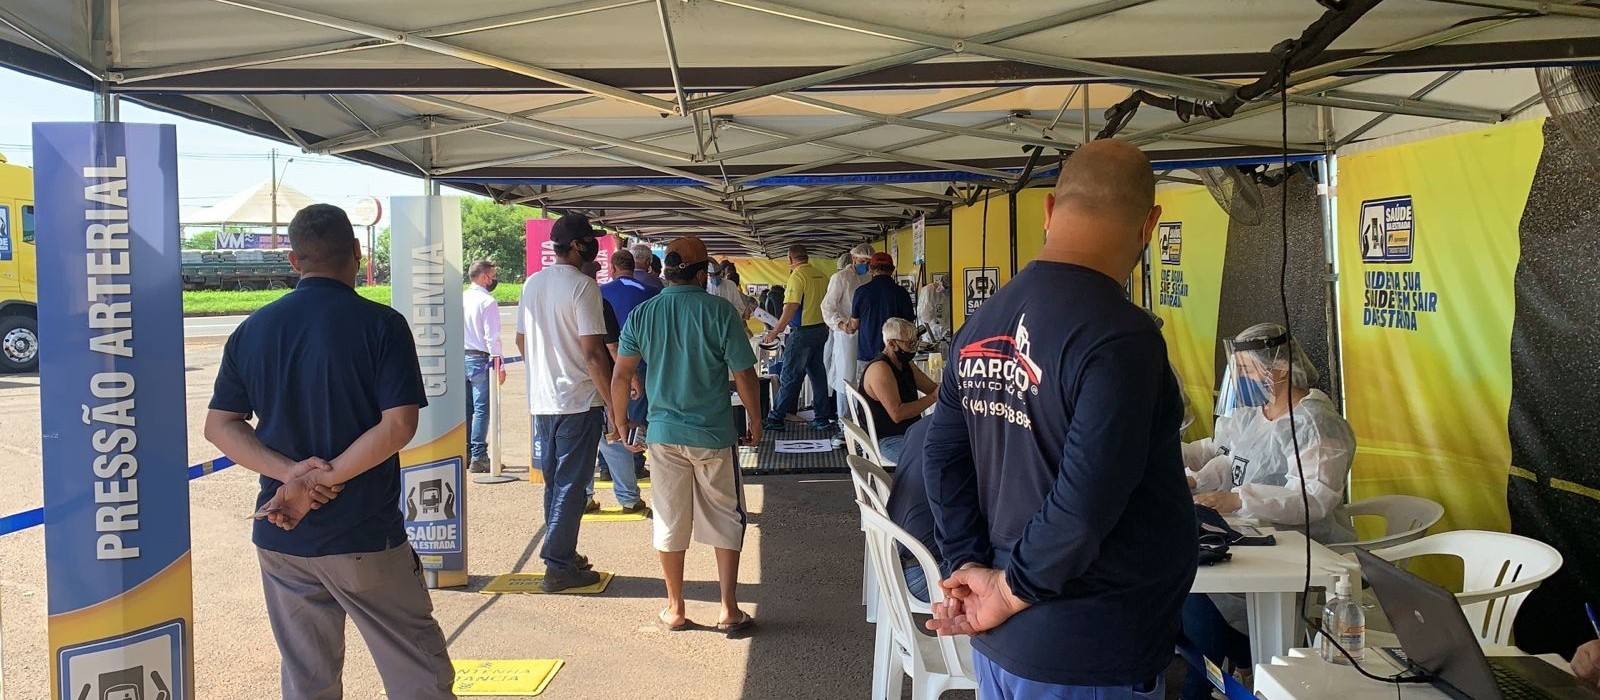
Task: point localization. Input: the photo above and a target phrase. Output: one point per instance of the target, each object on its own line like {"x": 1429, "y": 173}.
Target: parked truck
{"x": 237, "y": 270}
{"x": 19, "y": 289}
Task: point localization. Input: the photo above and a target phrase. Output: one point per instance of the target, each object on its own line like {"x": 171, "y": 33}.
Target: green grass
{"x": 211, "y": 303}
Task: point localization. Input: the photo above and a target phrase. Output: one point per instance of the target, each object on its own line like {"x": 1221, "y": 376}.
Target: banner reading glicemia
{"x": 426, "y": 278}
{"x": 112, "y": 402}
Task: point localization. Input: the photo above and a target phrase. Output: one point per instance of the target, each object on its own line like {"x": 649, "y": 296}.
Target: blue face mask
{"x": 1250, "y": 393}
{"x": 861, "y": 268}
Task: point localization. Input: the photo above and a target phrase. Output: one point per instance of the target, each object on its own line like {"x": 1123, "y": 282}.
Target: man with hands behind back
{"x": 1053, "y": 467}
{"x": 333, "y": 382}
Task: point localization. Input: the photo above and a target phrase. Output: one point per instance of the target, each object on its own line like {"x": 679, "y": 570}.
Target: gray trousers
{"x": 308, "y": 599}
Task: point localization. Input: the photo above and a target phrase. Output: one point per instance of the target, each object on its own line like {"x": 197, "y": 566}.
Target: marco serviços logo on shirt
{"x": 1000, "y": 364}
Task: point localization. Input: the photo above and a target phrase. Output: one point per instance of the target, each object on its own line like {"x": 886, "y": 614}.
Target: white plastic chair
{"x": 1500, "y": 570}
{"x": 935, "y": 664}
{"x": 872, "y": 485}
{"x": 1405, "y": 519}
{"x": 859, "y": 442}
{"x": 861, "y": 412}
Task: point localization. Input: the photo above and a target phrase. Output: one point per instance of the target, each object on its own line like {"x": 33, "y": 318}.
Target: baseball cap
{"x": 686, "y": 251}
{"x": 881, "y": 260}
{"x": 570, "y": 228}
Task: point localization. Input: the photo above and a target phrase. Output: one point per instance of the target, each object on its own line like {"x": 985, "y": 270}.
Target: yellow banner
{"x": 1428, "y": 249}
{"x": 1186, "y": 258}
{"x": 981, "y": 249}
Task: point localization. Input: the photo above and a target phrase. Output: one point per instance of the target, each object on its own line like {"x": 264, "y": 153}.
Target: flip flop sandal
{"x": 739, "y": 629}
{"x": 664, "y": 626}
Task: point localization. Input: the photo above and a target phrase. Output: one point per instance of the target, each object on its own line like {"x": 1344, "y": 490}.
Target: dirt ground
{"x": 801, "y": 576}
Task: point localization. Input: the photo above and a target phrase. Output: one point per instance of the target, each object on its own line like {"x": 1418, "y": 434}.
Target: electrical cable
{"x": 1294, "y": 436}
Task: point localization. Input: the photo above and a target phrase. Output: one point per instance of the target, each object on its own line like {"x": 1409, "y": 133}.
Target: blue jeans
{"x": 892, "y": 447}
{"x": 916, "y": 581}
{"x": 564, "y": 448}
{"x": 478, "y": 371}
{"x": 1209, "y": 632}
{"x": 995, "y": 683}
{"x": 624, "y": 480}
{"x": 804, "y": 356}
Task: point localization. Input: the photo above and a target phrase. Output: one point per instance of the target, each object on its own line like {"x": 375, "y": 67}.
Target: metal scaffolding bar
{"x": 1375, "y": 121}
{"x": 452, "y": 50}
{"x": 1056, "y": 20}
{"x": 542, "y": 155}
{"x": 858, "y": 127}
{"x": 1193, "y": 87}
{"x": 672, "y": 59}
{"x": 891, "y": 148}
{"x": 882, "y": 155}
{"x": 553, "y": 128}
{"x": 917, "y": 123}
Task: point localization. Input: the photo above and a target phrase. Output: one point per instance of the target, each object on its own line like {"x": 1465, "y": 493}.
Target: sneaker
{"x": 593, "y": 507}
{"x": 637, "y": 508}
{"x": 556, "y": 580}
{"x": 479, "y": 466}
{"x": 772, "y": 426}
{"x": 824, "y": 426}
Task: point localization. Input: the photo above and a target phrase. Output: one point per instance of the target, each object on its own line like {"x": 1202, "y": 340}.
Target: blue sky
{"x": 214, "y": 162}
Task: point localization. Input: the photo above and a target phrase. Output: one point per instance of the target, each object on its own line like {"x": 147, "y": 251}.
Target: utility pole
{"x": 274, "y": 198}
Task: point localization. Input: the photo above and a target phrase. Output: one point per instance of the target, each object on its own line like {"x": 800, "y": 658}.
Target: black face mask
{"x": 589, "y": 249}
{"x": 904, "y": 356}
{"x": 491, "y": 285}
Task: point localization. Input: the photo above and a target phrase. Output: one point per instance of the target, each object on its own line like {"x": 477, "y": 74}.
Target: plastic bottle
{"x": 1344, "y": 619}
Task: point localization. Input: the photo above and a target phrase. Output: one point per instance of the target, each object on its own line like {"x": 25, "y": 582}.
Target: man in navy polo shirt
{"x": 1053, "y": 465}
{"x": 873, "y": 303}
{"x": 334, "y": 384}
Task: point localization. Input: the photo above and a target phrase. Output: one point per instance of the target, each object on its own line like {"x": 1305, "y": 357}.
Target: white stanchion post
{"x": 496, "y": 462}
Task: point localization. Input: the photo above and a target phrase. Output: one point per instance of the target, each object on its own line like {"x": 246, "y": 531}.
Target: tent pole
{"x": 1327, "y": 196}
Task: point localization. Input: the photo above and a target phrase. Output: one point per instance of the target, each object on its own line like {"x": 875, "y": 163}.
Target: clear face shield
{"x": 1255, "y": 370}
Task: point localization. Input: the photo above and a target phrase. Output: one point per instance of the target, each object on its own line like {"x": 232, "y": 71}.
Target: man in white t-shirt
{"x": 561, "y": 332}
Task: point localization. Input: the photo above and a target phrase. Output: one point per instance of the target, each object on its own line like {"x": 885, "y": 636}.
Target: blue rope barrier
{"x": 503, "y": 362}
{"x": 17, "y": 522}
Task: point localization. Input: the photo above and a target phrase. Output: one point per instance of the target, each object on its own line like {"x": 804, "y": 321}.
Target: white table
{"x": 1301, "y": 674}
{"x": 1270, "y": 578}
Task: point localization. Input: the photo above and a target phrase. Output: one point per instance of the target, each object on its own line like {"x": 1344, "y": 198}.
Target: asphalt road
{"x": 222, "y": 326}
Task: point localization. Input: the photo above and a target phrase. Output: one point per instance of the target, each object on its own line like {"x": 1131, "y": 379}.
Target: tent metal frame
{"x": 710, "y": 188}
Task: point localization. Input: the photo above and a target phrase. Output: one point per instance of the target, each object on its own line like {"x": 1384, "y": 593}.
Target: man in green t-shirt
{"x": 805, "y": 352}
{"x": 700, "y": 340}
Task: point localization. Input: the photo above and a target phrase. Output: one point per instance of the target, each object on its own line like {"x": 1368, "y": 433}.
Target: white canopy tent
{"x": 755, "y": 123}
{"x": 252, "y": 207}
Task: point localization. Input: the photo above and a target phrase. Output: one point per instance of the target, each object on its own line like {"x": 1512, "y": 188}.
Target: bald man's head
{"x": 1104, "y": 200}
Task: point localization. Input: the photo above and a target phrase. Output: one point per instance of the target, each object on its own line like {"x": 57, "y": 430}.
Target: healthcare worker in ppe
{"x": 1249, "y": 469}
{"x": 841, "y": 351}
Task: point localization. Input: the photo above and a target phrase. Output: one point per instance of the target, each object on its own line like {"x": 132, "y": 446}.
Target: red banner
{"x": 541, "y": 251}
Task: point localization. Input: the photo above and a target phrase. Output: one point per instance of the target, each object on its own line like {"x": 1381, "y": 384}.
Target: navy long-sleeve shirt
{"x": 1055, "y": 456}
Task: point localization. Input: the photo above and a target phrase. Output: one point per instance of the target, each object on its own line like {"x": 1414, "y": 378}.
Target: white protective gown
{"x": 841, "y": 352}
{"x": 933, "y": 308}
{"x": 1254, "y": 457}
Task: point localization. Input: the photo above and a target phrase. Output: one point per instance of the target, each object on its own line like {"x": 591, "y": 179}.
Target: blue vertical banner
{"x": 425, "y": 277}
{"x": 115, "y": 434}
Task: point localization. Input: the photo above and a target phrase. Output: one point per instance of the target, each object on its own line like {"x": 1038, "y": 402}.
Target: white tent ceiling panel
{"x": 580, "y": 104}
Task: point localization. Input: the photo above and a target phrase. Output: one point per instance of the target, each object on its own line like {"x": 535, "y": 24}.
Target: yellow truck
{"x": 19, "y": 289}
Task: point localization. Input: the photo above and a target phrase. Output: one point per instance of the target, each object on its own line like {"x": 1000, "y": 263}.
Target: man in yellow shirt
{"x": 804, "y": 353}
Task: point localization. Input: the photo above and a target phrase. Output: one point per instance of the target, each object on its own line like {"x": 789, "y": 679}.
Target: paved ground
{"x": 801, "y": 576}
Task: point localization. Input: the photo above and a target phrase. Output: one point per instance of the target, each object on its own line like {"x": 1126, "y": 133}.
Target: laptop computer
{"x": 1435, "y": 636}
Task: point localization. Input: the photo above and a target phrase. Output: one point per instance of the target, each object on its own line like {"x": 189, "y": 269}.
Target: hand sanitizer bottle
{"x": 1345, "y": 620}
